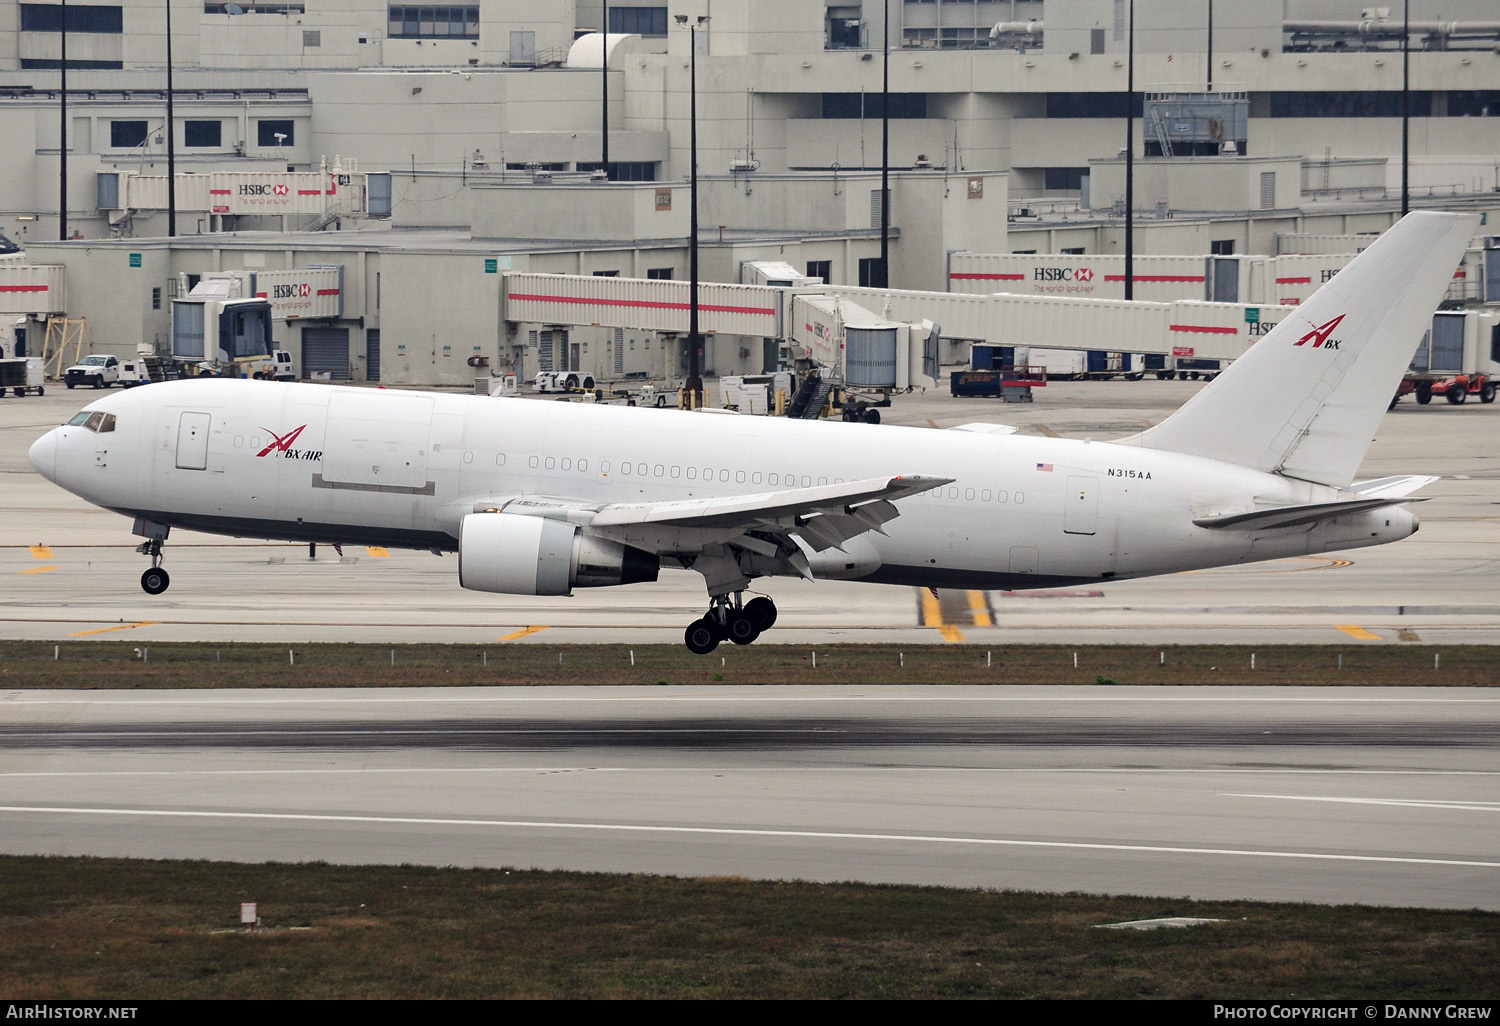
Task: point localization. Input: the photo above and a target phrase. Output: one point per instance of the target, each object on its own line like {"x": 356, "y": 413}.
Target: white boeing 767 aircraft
{"x": 541, "y": 498}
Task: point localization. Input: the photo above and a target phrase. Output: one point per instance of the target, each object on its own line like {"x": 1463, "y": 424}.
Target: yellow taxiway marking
{"x": 1044, "y": 429}
{"x": 38, "y": 570}
{"x": 979, "y": 604}
{"x": 523, "y": 632}
{"x": 1356, "y": 631}
{"x": 377, "y": 550}
{"x": 41, "y": 551}
{"x": 932, "y": 616}
{"x": 120, "y": 627}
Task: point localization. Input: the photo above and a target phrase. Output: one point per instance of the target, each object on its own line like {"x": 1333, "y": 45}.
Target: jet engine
{"x": 522, "y": 555}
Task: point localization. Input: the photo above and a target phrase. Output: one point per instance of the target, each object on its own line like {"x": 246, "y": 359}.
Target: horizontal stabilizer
{"x": 1296, "y": 516}
{"x": 1393, "y": 487}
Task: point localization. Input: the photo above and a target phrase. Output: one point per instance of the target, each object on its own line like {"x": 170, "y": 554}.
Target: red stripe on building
{"x": 328, "y": 292}
{"x": 261, "y": 295}
{"x": 23, "y": 288}
{"x": 987, "y": 277}
{"x": 1460, "y": 274}
{"x": 1294, "y": 281}
{"x": 309, "y": 192}
{"x": 218, "y": 192}
{"x": 1205, "y": 328}
{"x": 1156, "y": 277}
{"x": 521, "y": 297}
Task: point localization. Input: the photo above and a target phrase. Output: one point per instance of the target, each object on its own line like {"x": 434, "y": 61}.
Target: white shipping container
{"x": 301, "y": 293}
{"x": 1093, "y": 276}
{"x": 646, "y": 304}
{"x": 36, "y": 289}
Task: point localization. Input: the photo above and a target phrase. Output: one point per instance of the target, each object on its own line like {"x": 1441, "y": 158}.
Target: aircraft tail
{"x": 1306, "y": 399}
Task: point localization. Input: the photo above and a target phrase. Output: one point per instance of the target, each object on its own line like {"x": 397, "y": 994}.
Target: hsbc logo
{"x": 1062, "y": 274}
{"x": 293, "y": 291}
{"x": 261, "y": 190}
{"x": 1319, "y": 335}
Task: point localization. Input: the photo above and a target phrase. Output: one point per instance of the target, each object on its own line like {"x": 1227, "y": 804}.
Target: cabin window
{"x": 739, "y": 476}
{"x": 676, "y": 472}
{"x": 724, "y": 476}
{"x": 583, "y": 465}
{"x": 550, "y": 463}
{"x": 953, "y": 493}
{"x": 969, "y": 494}
{"x": 985, "y": 495}
{"x": 806, "y": 481}
{"x": 660, "y": 470}
{"x": 755, "y": 478}
{"x": 499, "y": 459}
{"x": 1020, "y": 498}
{"x": 692, "y": 473}
{"x": 468, "y": 457}
{"x": 625, "y": 469}
{"x": 534, "y": 462}
{"x": 567, "y": 464}
{"x": 1002, "y": 496}
{"x": 771, "y": 479}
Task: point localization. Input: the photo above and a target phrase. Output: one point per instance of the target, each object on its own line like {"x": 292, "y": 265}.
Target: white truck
{"x": 98, "y": 370}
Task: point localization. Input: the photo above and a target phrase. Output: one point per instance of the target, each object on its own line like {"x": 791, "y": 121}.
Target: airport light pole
{"x": 694, "y": 385}
{"x": 1130, "y": 161}
{"x": 171, "y": 137}
{"x": 885, "y": 155}
{"x": 62, "y": 147}
{"x": 603, "y": 78}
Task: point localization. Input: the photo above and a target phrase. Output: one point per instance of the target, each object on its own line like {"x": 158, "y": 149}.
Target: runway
{"x": 1285, "y": 794}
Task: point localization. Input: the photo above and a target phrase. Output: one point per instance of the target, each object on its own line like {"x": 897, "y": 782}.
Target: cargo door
{"x": 1081, "y": 513}
{"x": 192, "y": 441}
{"x": 325, "y": 351}
{"x": 378, "y": 444}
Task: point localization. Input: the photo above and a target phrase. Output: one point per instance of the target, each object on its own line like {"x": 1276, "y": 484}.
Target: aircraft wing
{"x": 764, "y": 507}
{"x": 732, "y": 536}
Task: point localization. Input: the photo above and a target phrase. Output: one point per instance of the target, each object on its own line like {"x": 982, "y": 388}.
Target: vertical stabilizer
{"x": 1306, "y": 399}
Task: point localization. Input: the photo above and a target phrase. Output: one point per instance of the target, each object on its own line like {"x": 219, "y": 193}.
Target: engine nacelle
{"x": 521, "y": 555}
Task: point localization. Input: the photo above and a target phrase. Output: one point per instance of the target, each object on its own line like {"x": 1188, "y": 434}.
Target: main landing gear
{"x": 728, "y": 620}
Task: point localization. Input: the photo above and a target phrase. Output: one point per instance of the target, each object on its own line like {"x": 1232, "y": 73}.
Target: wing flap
{"x": 762, "y": 507}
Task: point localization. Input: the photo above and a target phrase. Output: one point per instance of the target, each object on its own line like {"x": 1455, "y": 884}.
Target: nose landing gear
{"x": 728, "y": 620}
{"x": 155, "y": 580}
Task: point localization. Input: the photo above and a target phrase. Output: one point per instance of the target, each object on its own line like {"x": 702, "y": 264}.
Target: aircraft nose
{"x": 44, "y": 455}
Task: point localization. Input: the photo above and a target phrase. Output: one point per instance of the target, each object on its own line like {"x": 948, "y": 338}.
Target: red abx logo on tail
{"x": 1319, "y": 335}
{"x": 281, "y": 443}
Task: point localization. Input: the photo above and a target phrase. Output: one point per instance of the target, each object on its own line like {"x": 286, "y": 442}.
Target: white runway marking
{"x": 762, "y": 695}
{"x": 800, "y": 771}
{"x": 736, "y": 832}
{"x": 1408, "y": 802}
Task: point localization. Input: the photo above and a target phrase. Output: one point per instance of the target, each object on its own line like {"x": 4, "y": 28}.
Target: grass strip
{"x": 110, "y": 664}
{"x": 78, "y": 928}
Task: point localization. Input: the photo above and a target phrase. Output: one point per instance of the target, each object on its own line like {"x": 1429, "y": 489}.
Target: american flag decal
{"x": 1044, "y": 466}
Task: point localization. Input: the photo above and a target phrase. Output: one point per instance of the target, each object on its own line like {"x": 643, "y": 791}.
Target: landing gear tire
{"x": 155, "y": 581}
{"x": 701, "y": 637}
{"x": 763, "y": 612}
{"x": 740, "y": 627}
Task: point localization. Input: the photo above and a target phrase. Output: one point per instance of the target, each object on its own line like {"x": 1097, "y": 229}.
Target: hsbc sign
{"x": 303, "y": 292}
{"x": 1062, "y": 274}
{"x": 294, "y": 291}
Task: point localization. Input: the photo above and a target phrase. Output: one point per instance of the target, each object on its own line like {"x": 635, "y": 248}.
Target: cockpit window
{"x": 95, "y": 421}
